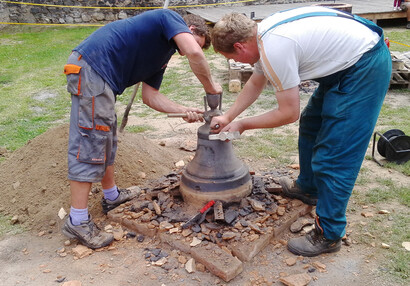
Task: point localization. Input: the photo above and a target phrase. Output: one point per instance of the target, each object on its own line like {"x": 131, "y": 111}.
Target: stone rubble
{"x": 219, "y": 245}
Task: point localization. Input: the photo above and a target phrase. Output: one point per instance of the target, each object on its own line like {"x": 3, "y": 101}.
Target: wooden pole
{"x": 127, "y": 110}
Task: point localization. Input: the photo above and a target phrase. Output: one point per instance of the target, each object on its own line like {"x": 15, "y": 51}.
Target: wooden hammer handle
{"x": 179, "y": 115}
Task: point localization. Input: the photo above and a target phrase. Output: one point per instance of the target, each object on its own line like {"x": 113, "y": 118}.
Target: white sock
{"x": 78, "y": 215}
{"x": 111, "y": 193}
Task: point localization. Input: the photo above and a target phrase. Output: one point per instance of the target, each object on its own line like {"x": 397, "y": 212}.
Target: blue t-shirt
{"x": 136, "y": 49}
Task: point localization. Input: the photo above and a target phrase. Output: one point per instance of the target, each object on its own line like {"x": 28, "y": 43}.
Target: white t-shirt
{"x": 311, "y": 47}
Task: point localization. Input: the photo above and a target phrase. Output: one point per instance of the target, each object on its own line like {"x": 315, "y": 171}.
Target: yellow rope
{"x": 100, "y": 25}
{"x": 124, "y": 8}
{"x": 40, "y": 24}
{"x": 121, "y": 8}
{"x": 398, "y": 43}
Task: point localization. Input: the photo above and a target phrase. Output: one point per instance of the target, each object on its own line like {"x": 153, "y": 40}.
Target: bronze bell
{"x": 215, "y": 173}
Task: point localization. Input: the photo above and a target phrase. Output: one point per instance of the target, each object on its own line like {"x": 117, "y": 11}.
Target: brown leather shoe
{"x": 292, "y": 190}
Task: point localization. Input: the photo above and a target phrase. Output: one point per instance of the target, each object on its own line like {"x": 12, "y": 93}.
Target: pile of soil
{"x": 33, "y": 179}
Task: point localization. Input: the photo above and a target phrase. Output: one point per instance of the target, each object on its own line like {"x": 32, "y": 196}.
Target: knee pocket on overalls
{"x": 92, "y": 149}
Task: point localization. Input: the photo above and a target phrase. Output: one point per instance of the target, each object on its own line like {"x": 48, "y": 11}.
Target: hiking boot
{"x": 313, "y": 243}
{"x": 124, "y": 196}
{"x": 87, "y": 233}
{"x": 292, "y": 190}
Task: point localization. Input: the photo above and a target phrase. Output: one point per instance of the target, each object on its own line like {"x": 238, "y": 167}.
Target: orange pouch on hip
{"x": 70, "y": 69}
{"x": 73, "y": 78}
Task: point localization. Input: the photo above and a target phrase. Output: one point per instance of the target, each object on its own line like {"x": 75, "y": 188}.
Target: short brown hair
{"x": 232, "y": 28}
{"x": 200, "y": 28}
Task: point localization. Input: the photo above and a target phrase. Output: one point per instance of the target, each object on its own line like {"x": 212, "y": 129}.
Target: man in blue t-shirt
{"x": 114, "y": 57}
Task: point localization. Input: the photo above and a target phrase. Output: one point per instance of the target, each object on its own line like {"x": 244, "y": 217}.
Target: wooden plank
{"x": 383, "y": 15}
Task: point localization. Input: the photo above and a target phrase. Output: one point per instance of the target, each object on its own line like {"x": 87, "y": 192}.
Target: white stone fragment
{"x": 195, "y": 241}
{"x": 62, "y": 213}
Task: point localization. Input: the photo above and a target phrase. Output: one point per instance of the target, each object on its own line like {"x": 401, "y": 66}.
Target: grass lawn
{"x": 33, "y": 98}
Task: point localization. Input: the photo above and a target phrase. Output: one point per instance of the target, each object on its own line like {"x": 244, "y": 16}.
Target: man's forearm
{"x": 249, "y": 94}
{"x": 200, "y": 68}
{"x": 270, "y": 119}
{"x": 159, "y": 102}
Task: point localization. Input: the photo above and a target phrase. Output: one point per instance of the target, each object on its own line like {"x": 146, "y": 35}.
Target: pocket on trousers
{"x": 92, "y": 148}
{"x": 86, "y": 112}
{"x": 73, "y": 78}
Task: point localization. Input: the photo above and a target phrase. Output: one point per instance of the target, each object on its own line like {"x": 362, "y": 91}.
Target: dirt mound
{"x": 33, "y": 180}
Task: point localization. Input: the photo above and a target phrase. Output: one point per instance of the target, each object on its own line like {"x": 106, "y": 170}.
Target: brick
{"x": 141, "y": 228}
{"x": 286, "y": 221}
{"x": 217, "y": 261}
{"x": 245, "y": 251}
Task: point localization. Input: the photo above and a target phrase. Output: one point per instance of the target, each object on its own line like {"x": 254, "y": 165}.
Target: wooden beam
{"x": 383, "y": 15}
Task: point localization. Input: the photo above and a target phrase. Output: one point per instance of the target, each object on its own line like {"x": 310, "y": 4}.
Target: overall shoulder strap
{"x": 365, "y": 22}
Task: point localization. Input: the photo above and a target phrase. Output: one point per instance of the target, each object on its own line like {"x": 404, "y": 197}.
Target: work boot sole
{"x": 307, "y": 200}
{"x": 84, "y": 242}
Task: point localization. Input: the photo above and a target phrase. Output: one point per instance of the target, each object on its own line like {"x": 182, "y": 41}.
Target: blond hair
{"x": 232, "y": 28}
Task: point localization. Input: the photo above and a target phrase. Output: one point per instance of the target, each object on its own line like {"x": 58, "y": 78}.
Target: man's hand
{"x": 194, "y": 115}
{"x": 218, "y": 123}
{"x": 217, "y": 89}
{"x": 234, "y": 126}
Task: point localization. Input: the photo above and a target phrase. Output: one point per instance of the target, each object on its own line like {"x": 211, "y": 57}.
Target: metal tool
{"x": 223, "y": 136}
{"x": 200, "y": 216}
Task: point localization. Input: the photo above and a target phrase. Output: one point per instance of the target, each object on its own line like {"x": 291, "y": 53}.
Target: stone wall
{"x": 20, "y": 13}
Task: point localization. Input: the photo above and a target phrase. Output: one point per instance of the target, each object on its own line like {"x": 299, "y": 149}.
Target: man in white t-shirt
{"x": 347, "y": 56}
